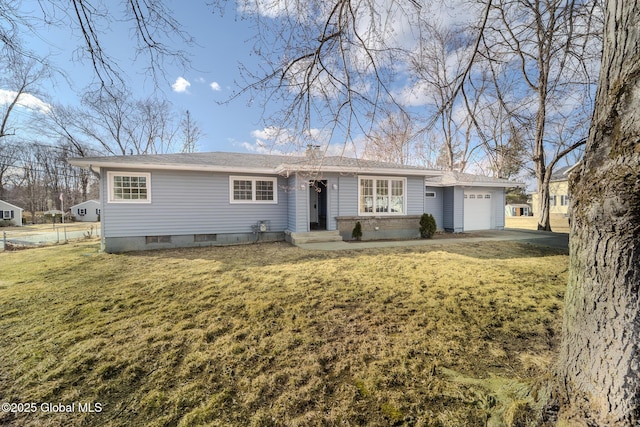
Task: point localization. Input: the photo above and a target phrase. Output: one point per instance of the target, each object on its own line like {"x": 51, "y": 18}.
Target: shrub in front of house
{"x": 427, "y": 226}
{"x": 357, "y": 231}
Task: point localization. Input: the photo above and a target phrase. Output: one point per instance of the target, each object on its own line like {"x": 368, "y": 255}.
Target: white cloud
{"x": 25, "y": 100}
{"x": 270, "y": 132}
{"x": 282, "y": 141}
{"x": 181, "y": 85}
{"x": 260, "y": 147}
{"x": 215, "y": 86}
{"x": 268, "y": 8}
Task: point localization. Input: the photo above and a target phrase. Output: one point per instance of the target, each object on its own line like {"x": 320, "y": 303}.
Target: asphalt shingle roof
{"x": 273, "y": 163}
{"x": 246, "y": 160}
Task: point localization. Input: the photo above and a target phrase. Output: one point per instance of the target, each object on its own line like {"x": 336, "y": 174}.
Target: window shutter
{"x": 11, "y": 214}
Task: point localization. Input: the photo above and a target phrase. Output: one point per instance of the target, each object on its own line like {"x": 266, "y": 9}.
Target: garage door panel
{"x": 477, "y": 210}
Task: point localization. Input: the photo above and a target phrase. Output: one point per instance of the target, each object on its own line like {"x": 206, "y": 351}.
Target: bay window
{"x": 381, "y": 196}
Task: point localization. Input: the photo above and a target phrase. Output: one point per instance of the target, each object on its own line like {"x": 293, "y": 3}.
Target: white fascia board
{"x": 488, "y": 184}
{"x": 474, "y": 184}
{"x": 287, "y": 170}
{"x": 283, "y": 169}
{"x": 176, "y": 167}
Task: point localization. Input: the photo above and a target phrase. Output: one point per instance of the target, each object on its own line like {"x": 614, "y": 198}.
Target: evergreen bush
{"x": 427, "y": 226}
{"x": 357, "y": 231}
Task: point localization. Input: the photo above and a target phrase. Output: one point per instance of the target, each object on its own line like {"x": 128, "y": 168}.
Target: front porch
{"x": 298, "y": 238}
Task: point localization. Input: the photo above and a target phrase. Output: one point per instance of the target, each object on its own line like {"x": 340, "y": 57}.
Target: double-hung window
{"x": 6, "y": 214}
{"x": 129, "y": 187}
{"x": 246, "y": 189}
{"x": 381, "y": 196}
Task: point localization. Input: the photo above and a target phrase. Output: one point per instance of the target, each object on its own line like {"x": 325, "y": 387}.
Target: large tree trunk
{"x": 544, "y": 222}
{"x": 599, "y": 365}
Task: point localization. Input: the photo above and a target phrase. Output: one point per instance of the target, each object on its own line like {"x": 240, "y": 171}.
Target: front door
{"x": 318, "y": 205}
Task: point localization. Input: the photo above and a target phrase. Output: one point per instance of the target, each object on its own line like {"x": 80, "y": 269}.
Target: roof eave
{"x": 287, "y": 169}
{"x": 12, "y": 205}
{"x": 475, "y": 184}
{"x": 177, "y": 167}
{"x": 490, "y": 184}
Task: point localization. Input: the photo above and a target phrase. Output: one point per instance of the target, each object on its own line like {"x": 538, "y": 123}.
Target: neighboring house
{"x": 517, "y": 209}
{"x": 197, "y": 199}
{"x": 558, "y": 193}
{"x": 10, "y": 214}
{"x": 88, "y": 211}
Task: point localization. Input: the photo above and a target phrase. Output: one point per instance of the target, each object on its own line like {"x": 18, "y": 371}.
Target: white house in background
{"x": 10, "y": 213}
{"x": 198, "y": 199}
{"x": 517, "y": 209}
{"x": 88, "y": 211}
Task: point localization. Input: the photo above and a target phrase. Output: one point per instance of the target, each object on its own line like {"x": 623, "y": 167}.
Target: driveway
{"x": 544, "y": 238}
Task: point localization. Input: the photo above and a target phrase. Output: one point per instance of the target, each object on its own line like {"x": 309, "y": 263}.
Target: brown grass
{"x": 270, "y": 334}
{"x": 559, "y": 223}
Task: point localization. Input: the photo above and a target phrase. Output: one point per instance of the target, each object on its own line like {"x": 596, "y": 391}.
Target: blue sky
{"x": 222, "y": 43}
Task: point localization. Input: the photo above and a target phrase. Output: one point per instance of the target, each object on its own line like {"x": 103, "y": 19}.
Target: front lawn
{"x": 270, "y": 334}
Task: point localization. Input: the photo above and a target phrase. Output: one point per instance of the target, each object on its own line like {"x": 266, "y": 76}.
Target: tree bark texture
{"x": 599, "y": 364}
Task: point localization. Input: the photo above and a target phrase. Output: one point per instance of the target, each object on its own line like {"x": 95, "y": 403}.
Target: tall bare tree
{"x": 437, "y": 70}
{"x": 598, "y": 366}
{"x": 551, "y": 45}
{"x": 20, "y": 86}
{"x": 119, "y": 125}
{"x": 392, "y": 140}
{"x": 191, "y": 133}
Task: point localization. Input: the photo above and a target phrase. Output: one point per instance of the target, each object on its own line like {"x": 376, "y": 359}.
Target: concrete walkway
{"x": 544, "y": 238}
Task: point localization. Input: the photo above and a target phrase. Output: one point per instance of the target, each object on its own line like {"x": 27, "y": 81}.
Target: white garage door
{"x": 477, "y": 210}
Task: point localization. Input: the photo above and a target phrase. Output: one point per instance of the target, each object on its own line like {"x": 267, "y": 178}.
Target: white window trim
{"x": 112, "y": 174}
{"x": 380, "y": 178}
{"x": 253, "y": 180}
{"x": 6, "y": 214}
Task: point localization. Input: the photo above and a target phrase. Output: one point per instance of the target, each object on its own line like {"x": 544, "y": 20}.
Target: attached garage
{"x": 478, "y": 209}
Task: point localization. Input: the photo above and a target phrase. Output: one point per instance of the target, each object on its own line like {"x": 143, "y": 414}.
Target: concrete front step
{"x": 313, "y": 237}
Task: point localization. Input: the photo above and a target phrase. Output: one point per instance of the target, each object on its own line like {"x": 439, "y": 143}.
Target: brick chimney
{"x": 313, "y": 152}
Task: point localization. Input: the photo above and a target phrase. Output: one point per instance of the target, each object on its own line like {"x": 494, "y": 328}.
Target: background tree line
{"x": 37, "y": 138}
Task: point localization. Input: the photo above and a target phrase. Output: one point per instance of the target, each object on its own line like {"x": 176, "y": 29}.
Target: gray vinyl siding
{"x": 434, "y": 206}
{"x": 189, "y": 202}
{"x": 297, "y": 211}
{"x": 415, "y": 195}
{"x": 499, "y": 201}
{"x": 332, "y": 202}
{"x": 347, "y": 196}
{"x": 453, "y": 209}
